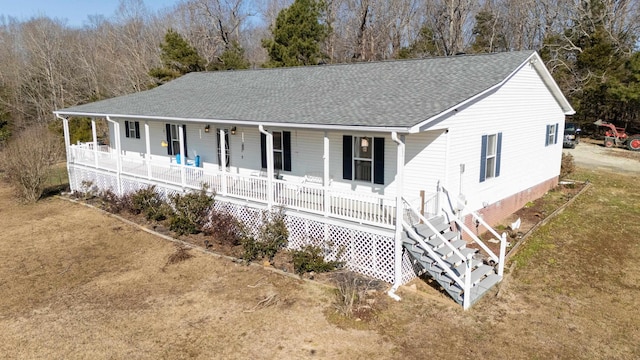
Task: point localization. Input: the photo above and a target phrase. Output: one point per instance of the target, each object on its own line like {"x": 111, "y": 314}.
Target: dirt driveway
{"x": 597, "y": 157}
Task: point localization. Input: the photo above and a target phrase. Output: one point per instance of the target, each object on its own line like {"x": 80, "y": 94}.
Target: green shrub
{"x": 310, "y": 258}
{"x": 274, "y": 234}
{"x": 252, "y": 249}
{"x": 190, "y": 211}
{"x": 224, "y": 227}
{"x": 148, "y": 201}
{"x": 273, "y": 237}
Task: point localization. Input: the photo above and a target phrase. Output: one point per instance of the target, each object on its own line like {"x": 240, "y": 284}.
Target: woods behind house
{"x": 590, "y": 47}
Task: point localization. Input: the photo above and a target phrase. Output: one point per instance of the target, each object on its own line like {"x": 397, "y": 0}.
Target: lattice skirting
{"x": 364, "y": 249}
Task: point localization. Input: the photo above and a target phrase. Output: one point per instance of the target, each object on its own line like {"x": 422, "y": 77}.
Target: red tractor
{"x": 616, "y": 136}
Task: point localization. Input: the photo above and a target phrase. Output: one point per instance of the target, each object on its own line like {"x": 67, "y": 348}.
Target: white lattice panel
{"x": 363, "y": 250}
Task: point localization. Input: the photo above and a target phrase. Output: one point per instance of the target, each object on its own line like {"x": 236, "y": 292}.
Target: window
{"x": 227, "y": 148}
{"x": 490, "y": 156}
{"x": 173, "y": 139}
{"x": 281, "y": 150}
{"x": 277, "y": 150}
{"x": 132, "y": 129}
{"x": 551, "y": 135}
{"x": 363, "y": 159}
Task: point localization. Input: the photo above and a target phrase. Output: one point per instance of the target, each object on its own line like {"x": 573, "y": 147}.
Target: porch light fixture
{"x": 206, "y": 128}
{"x": 364, "y": 144}
{"x": 163, "y": 143}
{"x": 233, "y": 130}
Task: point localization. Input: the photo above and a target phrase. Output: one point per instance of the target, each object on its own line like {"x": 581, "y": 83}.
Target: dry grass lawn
{"x": 75, "y": 283}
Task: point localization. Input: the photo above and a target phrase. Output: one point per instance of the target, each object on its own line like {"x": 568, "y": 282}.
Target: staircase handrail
{"x": 503, "y": 238}
{"x": 480, "y": 220}
{"x": 432, "y": 228}
{"x": 435, "y": 256}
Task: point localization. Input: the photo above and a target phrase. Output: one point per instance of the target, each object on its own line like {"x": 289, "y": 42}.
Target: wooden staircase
{"x": 442, "y": 254}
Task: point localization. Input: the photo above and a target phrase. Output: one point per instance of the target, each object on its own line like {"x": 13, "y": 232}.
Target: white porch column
{"x": 325, "y": 180}
{"x": 397, "y": 264}
{"x": 95, "y": 140}
{"x": 116, "y": 130}
{"x": 223, "y": 162}
{"x": 67, "y": 148}
{"x": 183, "y": 158}
{"x": 147, "y": 141}
{"x": 270, "y": 171}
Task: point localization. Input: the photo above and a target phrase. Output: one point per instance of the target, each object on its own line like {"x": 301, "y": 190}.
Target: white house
{"x": 358, "y": 155}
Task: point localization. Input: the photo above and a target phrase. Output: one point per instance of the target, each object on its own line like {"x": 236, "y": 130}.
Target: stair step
{"x": 483, "y": 287}
{"x": 480, "y": 272}
{"x": 426, "y": 232}
{"x": 445, "y": 251}
{"x": 437, "y": 242}
{"x": 454, "y": 260}
{"x": 460, "y": 269}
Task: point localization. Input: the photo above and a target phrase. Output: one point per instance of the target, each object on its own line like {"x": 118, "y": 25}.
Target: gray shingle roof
{"x": 378, "y": 94}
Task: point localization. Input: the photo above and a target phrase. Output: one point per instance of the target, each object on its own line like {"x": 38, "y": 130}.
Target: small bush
{"x": 252, "y": 249}
{"x": 114, "y": 203}
{"x": 224, "y": 227}
{"x": 190, "y": 211}
{"x": 310, "y": 258}
{"x": 274, "y": 234}
{"x": 273, "y": 237}
{"x": 27, "y": 161}
{"x": 181, "y": 254}
{"x": 148, "y": 201}
{"x": 351, "y": 293}
{"x": 567, "y": 166}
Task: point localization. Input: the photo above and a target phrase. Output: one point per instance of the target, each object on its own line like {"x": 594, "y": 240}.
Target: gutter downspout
{"x": 67, "y": 147}
{"x": 116, "y": 130}
{"x": 269, "y": 139}
{"x": 223, "y": 161}
{"x": 397, "y": 281}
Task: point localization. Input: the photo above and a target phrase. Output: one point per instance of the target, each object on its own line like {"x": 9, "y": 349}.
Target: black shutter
{"x": 483, "y": 159}
{"x": 263, "y": 150}
{"x": 170, "y": 145}
{"x": 126, "y": 128}
{"x": 546, "y": 136}
{"x": 184, "y": 135}
{"x": 347, "y": 157}
{"x": 555, "y": 141}
{"x": 378, "y": 160}
{"x": 498, "y": 154}
{"x": 137, "y": 126}
{"x": 286, "y": 139}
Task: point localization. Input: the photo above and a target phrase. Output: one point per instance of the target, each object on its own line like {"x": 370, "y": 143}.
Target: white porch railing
{"x": 371, "y": 209}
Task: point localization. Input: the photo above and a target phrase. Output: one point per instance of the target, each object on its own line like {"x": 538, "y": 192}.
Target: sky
{"x": 76, "y": 12}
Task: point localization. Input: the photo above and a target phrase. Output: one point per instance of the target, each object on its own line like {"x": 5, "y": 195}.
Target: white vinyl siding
{"x": 519, "y": 110}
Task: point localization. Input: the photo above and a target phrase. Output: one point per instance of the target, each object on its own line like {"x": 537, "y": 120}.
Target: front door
{"x": 227, "y": 148}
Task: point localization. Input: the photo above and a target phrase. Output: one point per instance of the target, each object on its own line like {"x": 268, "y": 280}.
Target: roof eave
{"x": 243, "y": 122}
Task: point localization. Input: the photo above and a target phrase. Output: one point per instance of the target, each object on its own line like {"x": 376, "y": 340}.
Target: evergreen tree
{"x": 178, "y": 58}
{"x": 425, "y": 45}
{"x": 231, "y": 59}
{"x": 297, "y": 35}
{"x": 487, "y": 36}
{"x": 588, "y": 62}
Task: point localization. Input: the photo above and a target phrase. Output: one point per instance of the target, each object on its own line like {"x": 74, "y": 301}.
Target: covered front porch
{"x": 314, "y": 193}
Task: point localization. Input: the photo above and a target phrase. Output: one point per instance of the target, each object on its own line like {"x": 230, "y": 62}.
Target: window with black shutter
{"x": 363, "y": 159}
